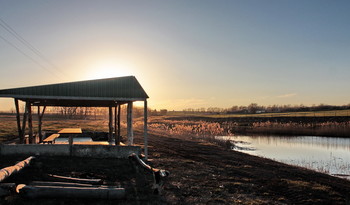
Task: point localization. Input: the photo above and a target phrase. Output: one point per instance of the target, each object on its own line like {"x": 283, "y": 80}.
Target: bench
{"x": 51, "y": 139}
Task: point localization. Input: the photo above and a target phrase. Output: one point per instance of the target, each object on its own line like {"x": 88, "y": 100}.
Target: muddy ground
{"x": 204, "y": 173}
{"x": 200, "y": 173}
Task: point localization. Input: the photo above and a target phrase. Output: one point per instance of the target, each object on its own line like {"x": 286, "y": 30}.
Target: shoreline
{"x": 205, "y": 173}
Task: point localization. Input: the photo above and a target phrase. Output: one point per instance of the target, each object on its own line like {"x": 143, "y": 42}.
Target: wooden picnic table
{"x": 71, "y": 132}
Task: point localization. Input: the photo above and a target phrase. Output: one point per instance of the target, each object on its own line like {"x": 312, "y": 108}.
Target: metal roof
{"x": 82, "y": 93}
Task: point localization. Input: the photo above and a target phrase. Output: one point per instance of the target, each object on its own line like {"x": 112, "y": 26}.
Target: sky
{"x": 185, "y": 53}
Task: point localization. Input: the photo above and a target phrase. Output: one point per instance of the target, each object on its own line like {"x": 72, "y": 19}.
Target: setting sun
{"x": 109, "y": 70}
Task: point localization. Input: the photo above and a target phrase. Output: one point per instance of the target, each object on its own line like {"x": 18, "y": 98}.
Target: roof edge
{"x": 71, "y": 98}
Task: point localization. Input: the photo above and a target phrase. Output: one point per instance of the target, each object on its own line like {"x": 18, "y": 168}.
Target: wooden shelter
{"x": 110, "y": 92}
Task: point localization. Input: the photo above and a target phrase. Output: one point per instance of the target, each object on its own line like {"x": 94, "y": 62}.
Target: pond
{"x": 324, "y": 154}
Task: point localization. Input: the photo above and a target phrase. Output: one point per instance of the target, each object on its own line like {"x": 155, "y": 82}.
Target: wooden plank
{"x": 78, "y": 180}
{"x": 66, "y": 184}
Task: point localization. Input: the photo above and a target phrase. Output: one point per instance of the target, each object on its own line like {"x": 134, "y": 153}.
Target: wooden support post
{"x": 115, "y": 126}
{"x": 18, "y": 117}
{"x": 39, "y": 125}
{"x": 25, "y": 116}
{"x": 129, "y": 125}
{"x": 118, "y": 140}
{"x": 145, "y": 134}
{"x": 40, "y": 118}
{"x": 110, "y": 125}
{"x": 30, "y": 123}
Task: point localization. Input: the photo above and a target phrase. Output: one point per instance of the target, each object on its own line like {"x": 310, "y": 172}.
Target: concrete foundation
{"x": 94, "y": 151}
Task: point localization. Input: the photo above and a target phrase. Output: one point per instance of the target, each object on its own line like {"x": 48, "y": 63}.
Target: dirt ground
{"x": 204, "y": 173}
{"x": 201, "y": 173}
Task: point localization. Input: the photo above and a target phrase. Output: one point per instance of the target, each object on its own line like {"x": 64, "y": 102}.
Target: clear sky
{"x": 185, "y": 53}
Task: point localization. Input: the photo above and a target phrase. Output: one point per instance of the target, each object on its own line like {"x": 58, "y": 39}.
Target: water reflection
{"x": 324, "y": 154}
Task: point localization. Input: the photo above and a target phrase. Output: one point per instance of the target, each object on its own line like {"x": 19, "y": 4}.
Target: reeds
{"x": 192, "y": 130}
{"x": 332, "y": 129}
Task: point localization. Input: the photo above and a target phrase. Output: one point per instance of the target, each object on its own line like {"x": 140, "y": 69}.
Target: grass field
{"x": 308, "y": 126}
{"x": 202, "y": 171}
{"x": 8, "y": 126}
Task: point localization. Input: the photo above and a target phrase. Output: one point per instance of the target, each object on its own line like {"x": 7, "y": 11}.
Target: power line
{"x": 23, "y": 53}
{"x": 26, "y": 43}
{"x": 9, "y": 29}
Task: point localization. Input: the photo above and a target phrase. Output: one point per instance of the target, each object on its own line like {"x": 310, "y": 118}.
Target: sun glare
{"x": 109, "y": 70}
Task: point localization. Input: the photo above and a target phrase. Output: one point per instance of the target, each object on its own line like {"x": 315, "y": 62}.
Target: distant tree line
{"x": 95, "y": 112}
{"x": 90, "y": 112}
{"x": 255, "y": 108}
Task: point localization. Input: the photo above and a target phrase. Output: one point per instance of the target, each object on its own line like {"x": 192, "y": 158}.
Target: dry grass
{"x": 197, "y": 130}
{"x": 8, "y": 126}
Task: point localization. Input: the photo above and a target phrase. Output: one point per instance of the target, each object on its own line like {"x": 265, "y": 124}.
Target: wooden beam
{"x": 39, "y": 125}
{"x": 40, "y": 117}
{"x": 145, "y": 134}
{"x": 118, "y": 135}
{"x": 66, "y": 184}
{"x": 18, "y": 117}
{"x": 30, "y": 123}
{"x": 8, "y": 171}
{"x": 115, "y": 126}
{"x": 110, "y": 125}
{"x": 130, "y": 131}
